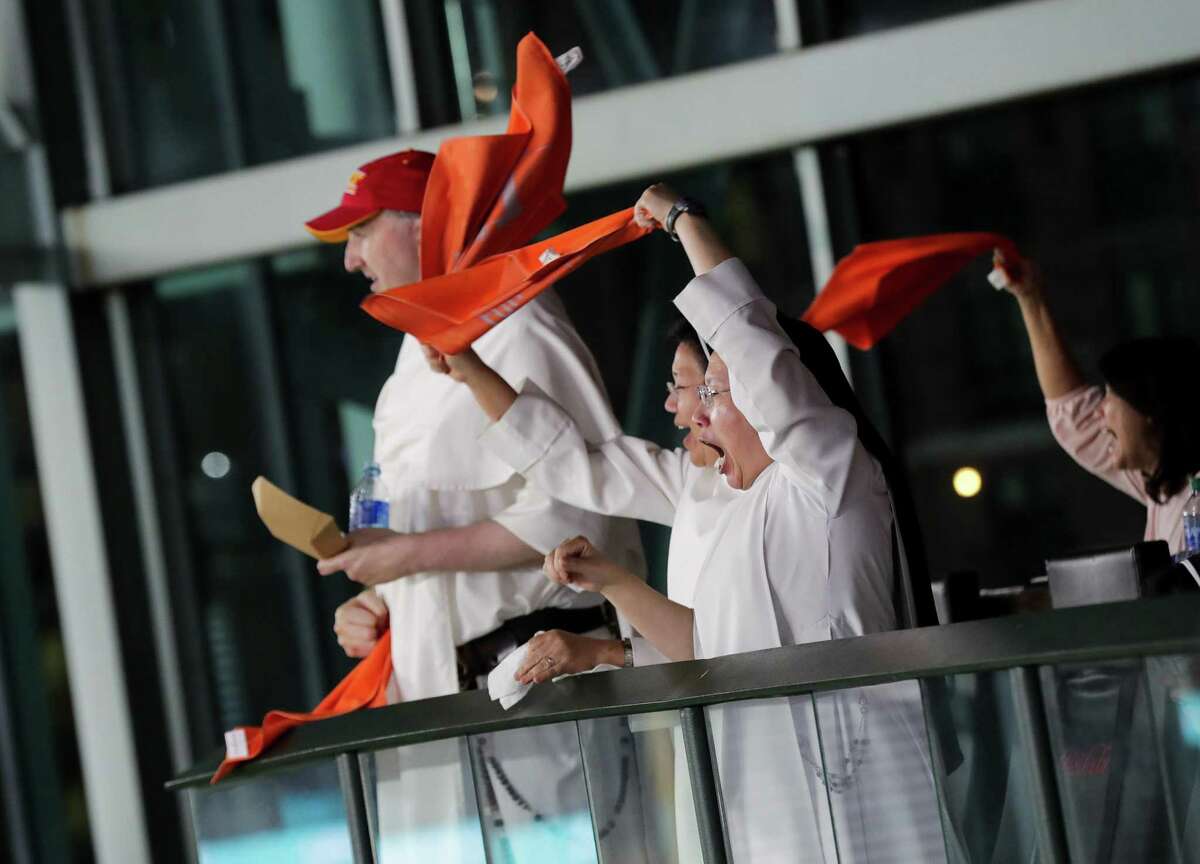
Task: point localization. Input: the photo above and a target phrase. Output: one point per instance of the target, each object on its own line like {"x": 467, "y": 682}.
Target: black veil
{"x": 913, "y": 601}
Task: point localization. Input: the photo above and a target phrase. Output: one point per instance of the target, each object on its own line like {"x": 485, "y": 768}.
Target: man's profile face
{"x": 386, "y": 250}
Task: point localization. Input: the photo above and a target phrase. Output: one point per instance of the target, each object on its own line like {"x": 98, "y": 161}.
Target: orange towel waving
{"x": 364, "y": 687}
{"x": 485, "y": 195}
{"x": 489, "y": 193}
{"x": 450, "y": 312}
{"x": 878, "y": 284}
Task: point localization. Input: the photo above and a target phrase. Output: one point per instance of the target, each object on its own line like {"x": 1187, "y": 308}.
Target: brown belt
{"x": 481, "y": 655}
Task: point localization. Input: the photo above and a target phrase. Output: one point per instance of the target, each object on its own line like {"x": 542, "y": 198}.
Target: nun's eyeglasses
{"x": 708, "y": 394}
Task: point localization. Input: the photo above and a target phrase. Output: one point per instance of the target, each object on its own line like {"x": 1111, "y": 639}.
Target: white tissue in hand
{"x": 999, "y": 278}
{"x": 502, "y": 682}
{"x": 504, "y": 687}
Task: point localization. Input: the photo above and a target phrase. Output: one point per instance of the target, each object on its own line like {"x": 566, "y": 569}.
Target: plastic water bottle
{"x": 1191, "y": 520}
{"x": 369, "y": 501}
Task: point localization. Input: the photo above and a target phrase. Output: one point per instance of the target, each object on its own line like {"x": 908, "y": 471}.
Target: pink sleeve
{"x": 1077, "y": 423}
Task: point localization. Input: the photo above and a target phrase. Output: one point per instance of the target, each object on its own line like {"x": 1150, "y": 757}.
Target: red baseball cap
{"x": 395, "y": 182}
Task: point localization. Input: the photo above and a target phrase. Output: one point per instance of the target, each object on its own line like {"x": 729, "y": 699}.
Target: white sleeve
{"x": 813, "y": 440}
{"x": 623, "y": 476}
{"x": 541, "y": 522}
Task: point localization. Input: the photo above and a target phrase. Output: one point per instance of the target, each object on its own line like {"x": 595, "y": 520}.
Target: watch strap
{"x": 683, "y": 205}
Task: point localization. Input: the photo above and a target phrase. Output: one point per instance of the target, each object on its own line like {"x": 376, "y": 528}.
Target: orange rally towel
{"x": 489, "y": 193}
{"x": 450, "y": 312}
{"x": 878, "y": 284}
{"x": 364, "y": 687}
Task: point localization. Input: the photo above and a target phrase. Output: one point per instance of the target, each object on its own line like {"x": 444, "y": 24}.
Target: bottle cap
{"x": 372, "y": 468}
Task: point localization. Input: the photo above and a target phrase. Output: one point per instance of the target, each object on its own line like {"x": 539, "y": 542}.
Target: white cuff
{"x": 710, "y": 299}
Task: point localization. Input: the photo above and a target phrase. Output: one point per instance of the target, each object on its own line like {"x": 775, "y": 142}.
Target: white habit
{"x": 804, "y": 554}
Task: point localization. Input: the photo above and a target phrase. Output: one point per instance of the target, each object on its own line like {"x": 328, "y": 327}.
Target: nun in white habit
{"x": 620, "y": 476}
{"x": 803, "y": 553}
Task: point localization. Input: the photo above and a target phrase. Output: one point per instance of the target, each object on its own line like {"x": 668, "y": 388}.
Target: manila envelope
{"x": 295, "y": 523}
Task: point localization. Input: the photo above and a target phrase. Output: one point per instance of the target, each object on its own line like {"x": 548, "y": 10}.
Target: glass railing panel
{"x": 1173, "y": 689}
{"x": 770, "y": 775}
{"x": 878, "y": 773}
{"x": 1124, "y": 741}
{"x": 421, "y": 804}
{"x": 532, "y": 795}
{"x": 981, "y": 761}
{"x": 641, "y": 797}
{"x": 295, "y": 814}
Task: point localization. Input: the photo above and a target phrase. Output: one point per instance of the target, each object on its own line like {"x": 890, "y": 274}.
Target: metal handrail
{"x": 1165, "y": 625}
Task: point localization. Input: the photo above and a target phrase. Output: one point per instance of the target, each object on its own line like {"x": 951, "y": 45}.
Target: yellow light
{"x": 967, "y": 482}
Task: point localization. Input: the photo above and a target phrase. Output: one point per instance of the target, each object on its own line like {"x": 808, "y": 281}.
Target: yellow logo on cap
{"x": 355, "y": 178}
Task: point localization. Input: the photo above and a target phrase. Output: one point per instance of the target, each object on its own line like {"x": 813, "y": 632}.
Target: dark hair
{"x": 680, "y": 332}
{"x": 818, "y": 355}
{"x": 1153, "y": 375}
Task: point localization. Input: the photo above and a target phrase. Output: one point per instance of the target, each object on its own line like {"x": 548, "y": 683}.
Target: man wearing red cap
{"x": 457, "y": 577}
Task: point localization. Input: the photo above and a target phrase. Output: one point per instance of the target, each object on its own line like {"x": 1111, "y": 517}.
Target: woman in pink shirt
{"x": 1140, "y": 432}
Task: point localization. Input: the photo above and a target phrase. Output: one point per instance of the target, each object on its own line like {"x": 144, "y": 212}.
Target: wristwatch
{"x": 683, "y": 205}
{"x": 628, "y": 646}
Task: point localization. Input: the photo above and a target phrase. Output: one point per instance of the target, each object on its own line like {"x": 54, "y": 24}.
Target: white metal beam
{"x": 103, "y": 726}
{"x": 806, "y": 162}
{"x": 900, "y": 75}
{"x": 400, "y": 65}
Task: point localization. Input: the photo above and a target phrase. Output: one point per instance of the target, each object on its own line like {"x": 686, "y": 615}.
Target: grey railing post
{"x": 1031, "y": 729}
{"x": 704, "y": 785}
{"x": 350, "y": 778}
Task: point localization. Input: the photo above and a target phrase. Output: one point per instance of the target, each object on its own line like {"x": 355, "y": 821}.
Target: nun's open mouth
{"x": 720, "y": 451}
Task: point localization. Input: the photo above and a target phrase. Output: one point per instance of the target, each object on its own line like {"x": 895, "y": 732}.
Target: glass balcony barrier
{"x": 1065, "y": 735}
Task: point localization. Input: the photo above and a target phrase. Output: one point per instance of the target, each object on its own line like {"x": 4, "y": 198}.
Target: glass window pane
{"x": 309, "y": 76}
{"x": 623, "y": 42}
{"x": 192, "y": 89}
{"x": 296, "y": 814}
{"x": 823, "y": 20}
{"x": 202, "y": 356}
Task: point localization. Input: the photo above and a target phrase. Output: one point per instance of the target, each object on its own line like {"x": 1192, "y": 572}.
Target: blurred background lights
{"x": 215, "y": 464}
{"x": 967, "y": 482}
